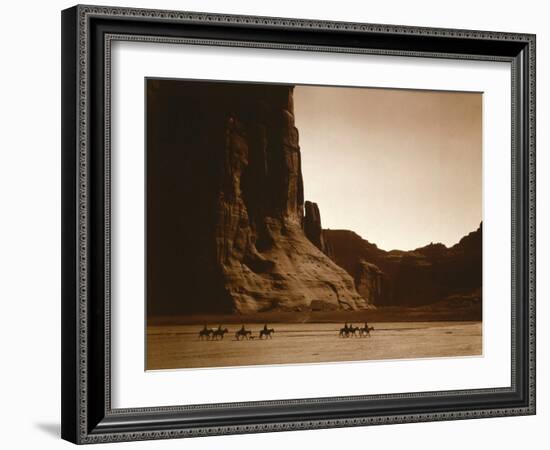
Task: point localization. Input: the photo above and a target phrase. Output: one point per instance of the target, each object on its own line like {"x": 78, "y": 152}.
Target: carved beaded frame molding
{"x": 87, "y": 34}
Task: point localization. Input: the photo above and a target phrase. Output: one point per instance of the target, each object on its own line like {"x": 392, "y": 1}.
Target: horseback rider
{"x": 265, "y": 327}
{"x": 242, "y": 330}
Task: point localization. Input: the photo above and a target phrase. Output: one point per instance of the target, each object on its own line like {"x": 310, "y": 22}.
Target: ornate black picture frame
{"x": 87, "y": 34}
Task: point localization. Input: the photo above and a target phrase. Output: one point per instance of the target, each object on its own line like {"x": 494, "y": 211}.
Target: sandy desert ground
{"x": 178, "y": 346}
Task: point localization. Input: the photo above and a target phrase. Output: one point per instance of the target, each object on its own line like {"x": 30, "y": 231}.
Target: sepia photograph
{"x": 273, "y": 223}
{"x": 299, "y": 224}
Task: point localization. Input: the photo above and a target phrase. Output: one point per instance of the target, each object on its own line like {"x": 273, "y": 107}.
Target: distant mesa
{"x": 409, "y": 278}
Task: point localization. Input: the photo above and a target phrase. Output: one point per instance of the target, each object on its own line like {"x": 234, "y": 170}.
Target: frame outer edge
{"x": 532, "y": 143}
{"x": 166, "y": 15}
{"x": 69, "y": 235}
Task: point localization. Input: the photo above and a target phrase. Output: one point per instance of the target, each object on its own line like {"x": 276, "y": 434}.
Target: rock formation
{"x": 226, "y": 225}
{"x": 369, "y": 281}
{"x": 312, "y": 225}
{"x": 409, "y": 278}
{"x": 228, "y": 229}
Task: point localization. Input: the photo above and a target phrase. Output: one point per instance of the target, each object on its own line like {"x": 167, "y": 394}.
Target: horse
{"x": 219, "y": 333}
{"x": 206, "y": 333}
{"x": 365, "y": 331}
{"x": 344, "y": 332}
{"x": 348, "y": 330}
{"x": 267, "y": 332}
{"x": 352, "y": 331}
{"x": 243, "y": 333}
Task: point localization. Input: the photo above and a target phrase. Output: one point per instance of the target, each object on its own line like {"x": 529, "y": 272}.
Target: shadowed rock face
{"x": 409, "y": 278}
{"x": 369, "y": 281}
{"x": 225, "y": 205}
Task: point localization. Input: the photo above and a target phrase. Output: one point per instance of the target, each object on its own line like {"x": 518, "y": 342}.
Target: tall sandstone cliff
{"x": 226, "y": 223}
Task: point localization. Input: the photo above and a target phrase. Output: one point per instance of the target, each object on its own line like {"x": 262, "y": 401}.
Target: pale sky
{"x": 401, "y": 168}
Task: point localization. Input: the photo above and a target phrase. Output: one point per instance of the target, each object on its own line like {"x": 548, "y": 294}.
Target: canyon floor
{"x": 171, "y": 346}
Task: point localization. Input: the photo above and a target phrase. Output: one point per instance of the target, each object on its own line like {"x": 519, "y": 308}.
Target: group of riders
{"x": 351, "y": 331}
{"x": 242, "y": 333}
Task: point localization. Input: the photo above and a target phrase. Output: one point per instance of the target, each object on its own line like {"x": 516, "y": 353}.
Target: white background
{"x": 132, "y": 387}
{"x": 30, "y": 225}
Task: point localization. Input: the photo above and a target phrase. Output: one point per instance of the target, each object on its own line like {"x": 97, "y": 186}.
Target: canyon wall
{"x": 226, "y": 225}
{"x": 429, "y": 274}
